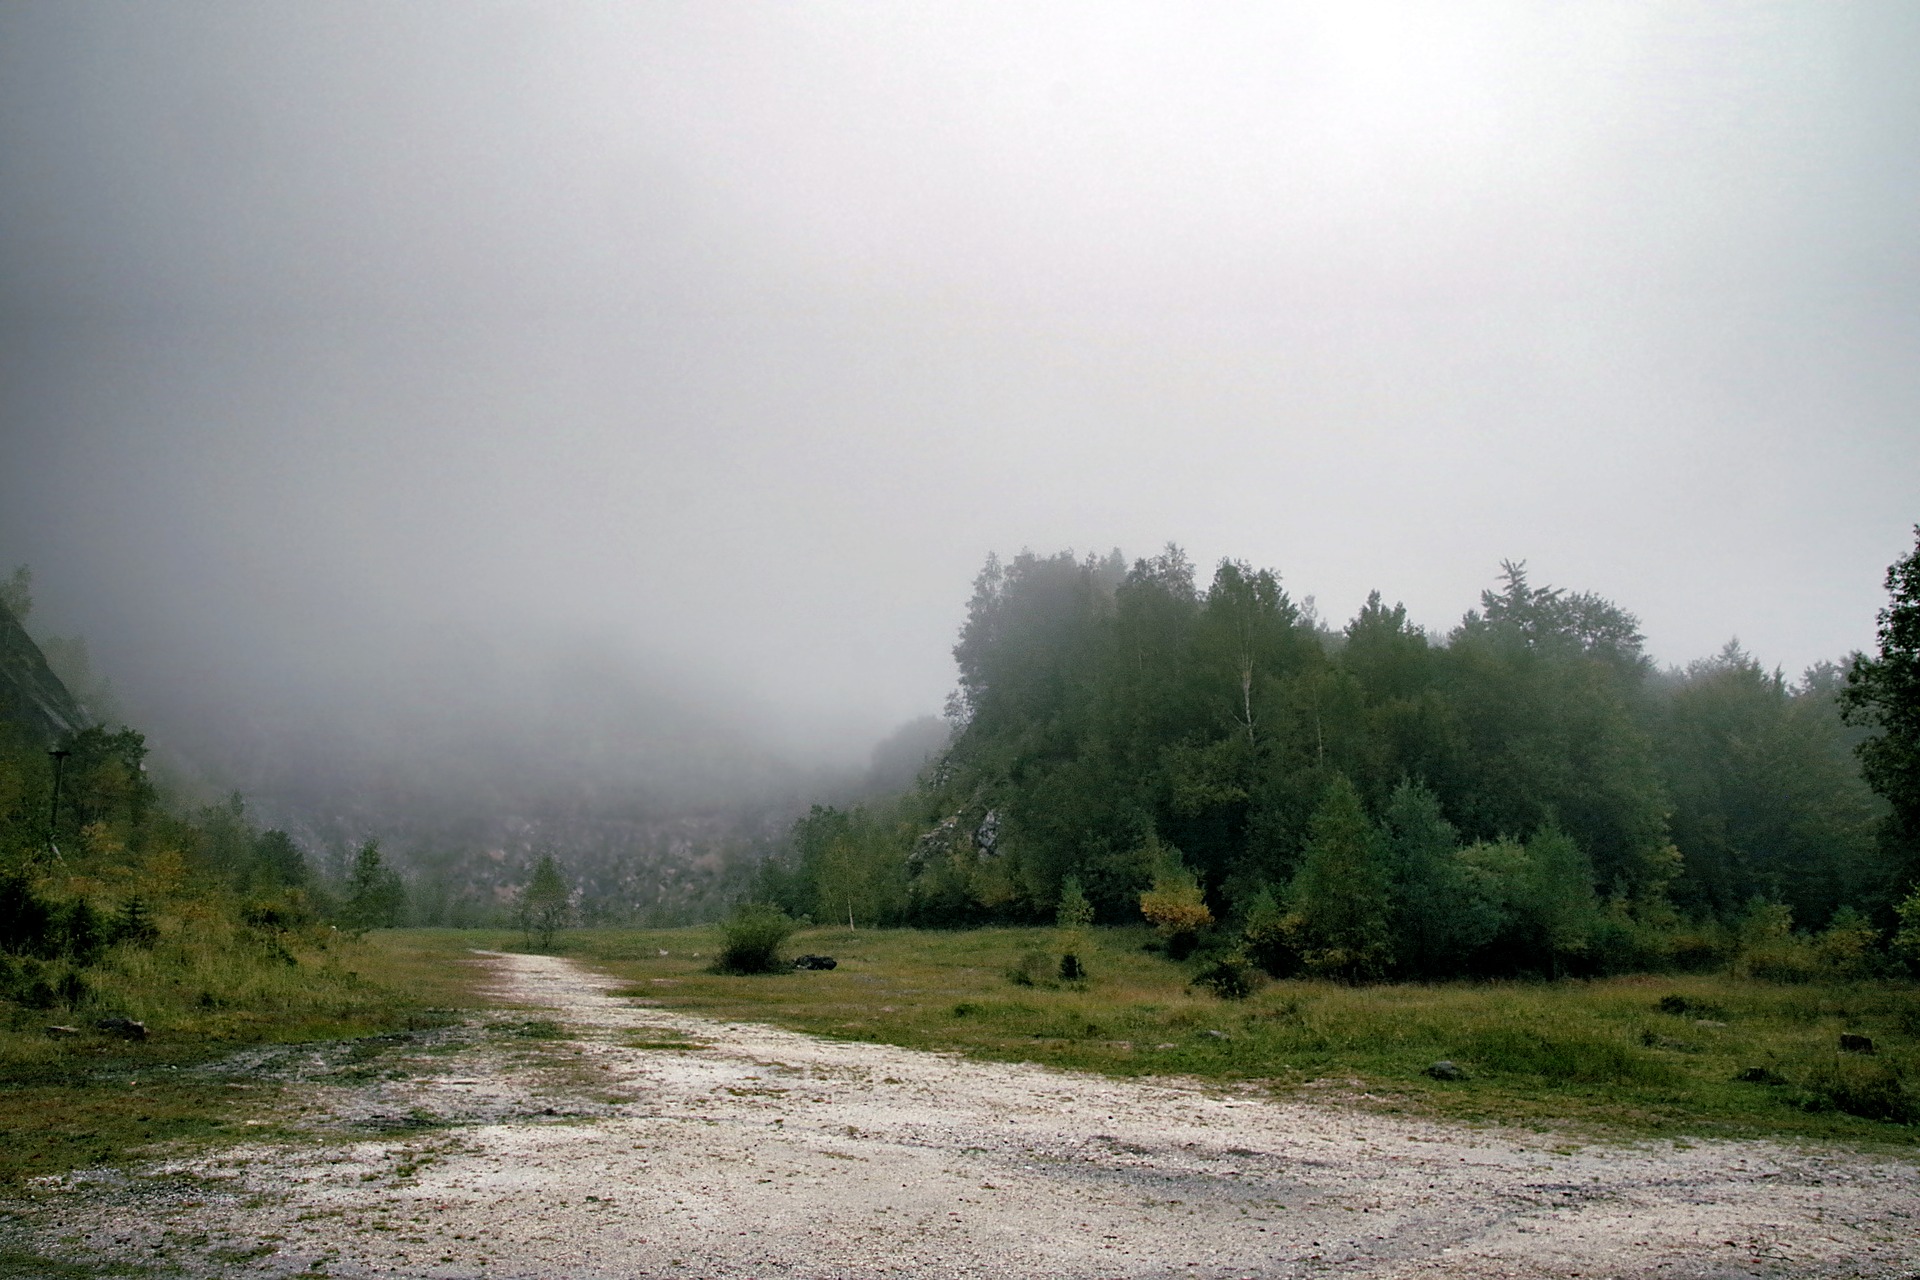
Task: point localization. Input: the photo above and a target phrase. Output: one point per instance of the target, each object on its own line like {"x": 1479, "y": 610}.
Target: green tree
{"x": 375, "y": 896}
{"x": 1767, "y": 799}
{"x": 1439, "y": 918}
{"x": 1340, "y": 896}
{"x": 1561, "y": 906}
{"x": 546, "y": 902}
{"x": 1906, "y": 939}
{"x": 1883, "y": 695}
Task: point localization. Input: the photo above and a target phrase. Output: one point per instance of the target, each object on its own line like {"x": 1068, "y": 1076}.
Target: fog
{"x": 628, "y": 394}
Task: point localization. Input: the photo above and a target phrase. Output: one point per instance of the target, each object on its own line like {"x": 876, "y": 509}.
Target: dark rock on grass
{"x": 1852, "y": 1043}
{"x": 815, "y": 962}
{"x": 125, "y": 1028}
{"x": 1445, "y": 1070}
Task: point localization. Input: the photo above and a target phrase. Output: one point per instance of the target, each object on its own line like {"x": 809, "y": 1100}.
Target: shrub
{"x": 1174, "y": 905}
{"x": 1866, "y": 1088}
{"x": 1906, "y": 942}
{"x": 1231, "y": 977}
{"x": 1075, "y": 912}
{"x": 1850, "y": 947}
{"x": 1269, "y": 941}
{"x": 754, "y": 936}
{"x": 1031, "y": 969}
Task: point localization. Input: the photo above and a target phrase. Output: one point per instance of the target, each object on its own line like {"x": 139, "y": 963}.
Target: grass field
{"x": 97, "y": 1098}
{"x": 1639, "y": 1055}
{"x": 1602, "y": 1057}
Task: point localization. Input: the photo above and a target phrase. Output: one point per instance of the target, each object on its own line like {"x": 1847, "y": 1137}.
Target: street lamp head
{"x": 58, "y": 753}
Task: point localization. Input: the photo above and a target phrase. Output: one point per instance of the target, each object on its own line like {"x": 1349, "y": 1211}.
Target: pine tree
{"x": 1341, "y": 894}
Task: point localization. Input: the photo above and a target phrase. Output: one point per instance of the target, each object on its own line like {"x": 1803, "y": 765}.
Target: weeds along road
{"x": 587, "y": 1135}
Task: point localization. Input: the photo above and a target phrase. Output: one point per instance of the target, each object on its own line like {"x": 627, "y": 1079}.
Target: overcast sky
{"x": 724, "y": 341}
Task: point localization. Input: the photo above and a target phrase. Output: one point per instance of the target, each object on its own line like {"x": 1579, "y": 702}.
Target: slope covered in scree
{"x": 30, "y": 694}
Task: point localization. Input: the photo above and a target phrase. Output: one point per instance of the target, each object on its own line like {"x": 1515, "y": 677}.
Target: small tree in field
{"x": 1074, "y": 917}
{"x": 375, "y": 895}
{"x": 1174, "y": 905}
{"x": 545, "y": 903}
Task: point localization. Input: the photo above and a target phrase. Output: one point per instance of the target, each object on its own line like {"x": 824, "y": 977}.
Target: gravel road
{"x": 584, "y": 1136}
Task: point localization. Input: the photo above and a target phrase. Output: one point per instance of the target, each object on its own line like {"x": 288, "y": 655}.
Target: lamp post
{"x": 59, "y": 755}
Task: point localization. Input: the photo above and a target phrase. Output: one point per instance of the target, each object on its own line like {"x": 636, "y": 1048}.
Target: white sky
{"x": 728, "y": 339}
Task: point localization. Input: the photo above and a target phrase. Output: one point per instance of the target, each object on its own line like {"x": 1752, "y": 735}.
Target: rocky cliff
{"x": 30, "y": 694}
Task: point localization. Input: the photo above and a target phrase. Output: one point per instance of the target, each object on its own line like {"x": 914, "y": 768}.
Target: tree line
{"x": 1527, "y": 792}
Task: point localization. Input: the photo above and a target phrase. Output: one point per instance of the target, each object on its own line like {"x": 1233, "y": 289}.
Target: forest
{"x": 1527, "y": 793}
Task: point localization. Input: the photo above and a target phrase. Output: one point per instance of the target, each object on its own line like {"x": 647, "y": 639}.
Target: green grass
{"x": 95, "y": 1098}
{"x": 1600, "y": 1056}
{"x": 1596, "y": 1055}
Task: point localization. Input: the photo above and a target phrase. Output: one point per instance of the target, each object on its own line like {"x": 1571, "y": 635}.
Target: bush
{"x": 1906, "y": 943}
{"x": 1031, "y": 969}
{"x": 1174, "y": 905}
{"x": 1230, "y": 977}
{"x": 1269, "y": 941}
{"x": 754, "y": 936}
{"x": 1868, "y": 1089}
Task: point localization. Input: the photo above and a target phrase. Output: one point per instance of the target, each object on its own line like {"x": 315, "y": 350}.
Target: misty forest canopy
{"x": 1526, "y": 791}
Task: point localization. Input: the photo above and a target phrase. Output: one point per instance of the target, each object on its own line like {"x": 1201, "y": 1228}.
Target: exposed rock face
{"x": 30, "y": 694}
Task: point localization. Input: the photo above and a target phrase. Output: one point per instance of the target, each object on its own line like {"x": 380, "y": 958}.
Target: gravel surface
{"x": 585, "y": 1135}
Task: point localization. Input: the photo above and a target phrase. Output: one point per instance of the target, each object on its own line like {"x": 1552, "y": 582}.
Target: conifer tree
{"x": 1341, "y": 894}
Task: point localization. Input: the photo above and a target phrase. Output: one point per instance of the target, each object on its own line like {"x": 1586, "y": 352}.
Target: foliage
{"x": 1882, "y": 695}
{"x": 1767, "y": 798}
{"x": 1906, "y": 943}
{"x": 375, "y": 897}
{"x": 1266, "y": 937}
{"x": 1438, "y": 917}
{"x": 754, "y": 936}
{"x": 1339, "y": 897}
{"x": 1603, "y": 1053}
{"x": 1174, "y": 905}
{"x": 1075, "y": 912}
{"x": 1230, "y": 976}
{"x": 844, "y": 864}
{"x": 546, "y": 902}
{"x": 1528, "y": 794}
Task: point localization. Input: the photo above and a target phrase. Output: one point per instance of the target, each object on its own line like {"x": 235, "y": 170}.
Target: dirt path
{"x": 605, "y": 1152}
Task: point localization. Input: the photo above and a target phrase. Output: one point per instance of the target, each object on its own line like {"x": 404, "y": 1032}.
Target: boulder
{"x": 1445, "y": 1070}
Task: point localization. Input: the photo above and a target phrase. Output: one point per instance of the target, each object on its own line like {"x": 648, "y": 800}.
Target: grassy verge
{"x": 96, "y": 1098}
{"x": 1604, "y": 1055}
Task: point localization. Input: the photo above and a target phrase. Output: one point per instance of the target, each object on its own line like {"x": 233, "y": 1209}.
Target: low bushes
{"x": 754, "y": 937}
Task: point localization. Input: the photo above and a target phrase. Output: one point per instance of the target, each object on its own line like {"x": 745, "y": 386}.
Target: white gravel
{"x": 773, "y": 1154}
